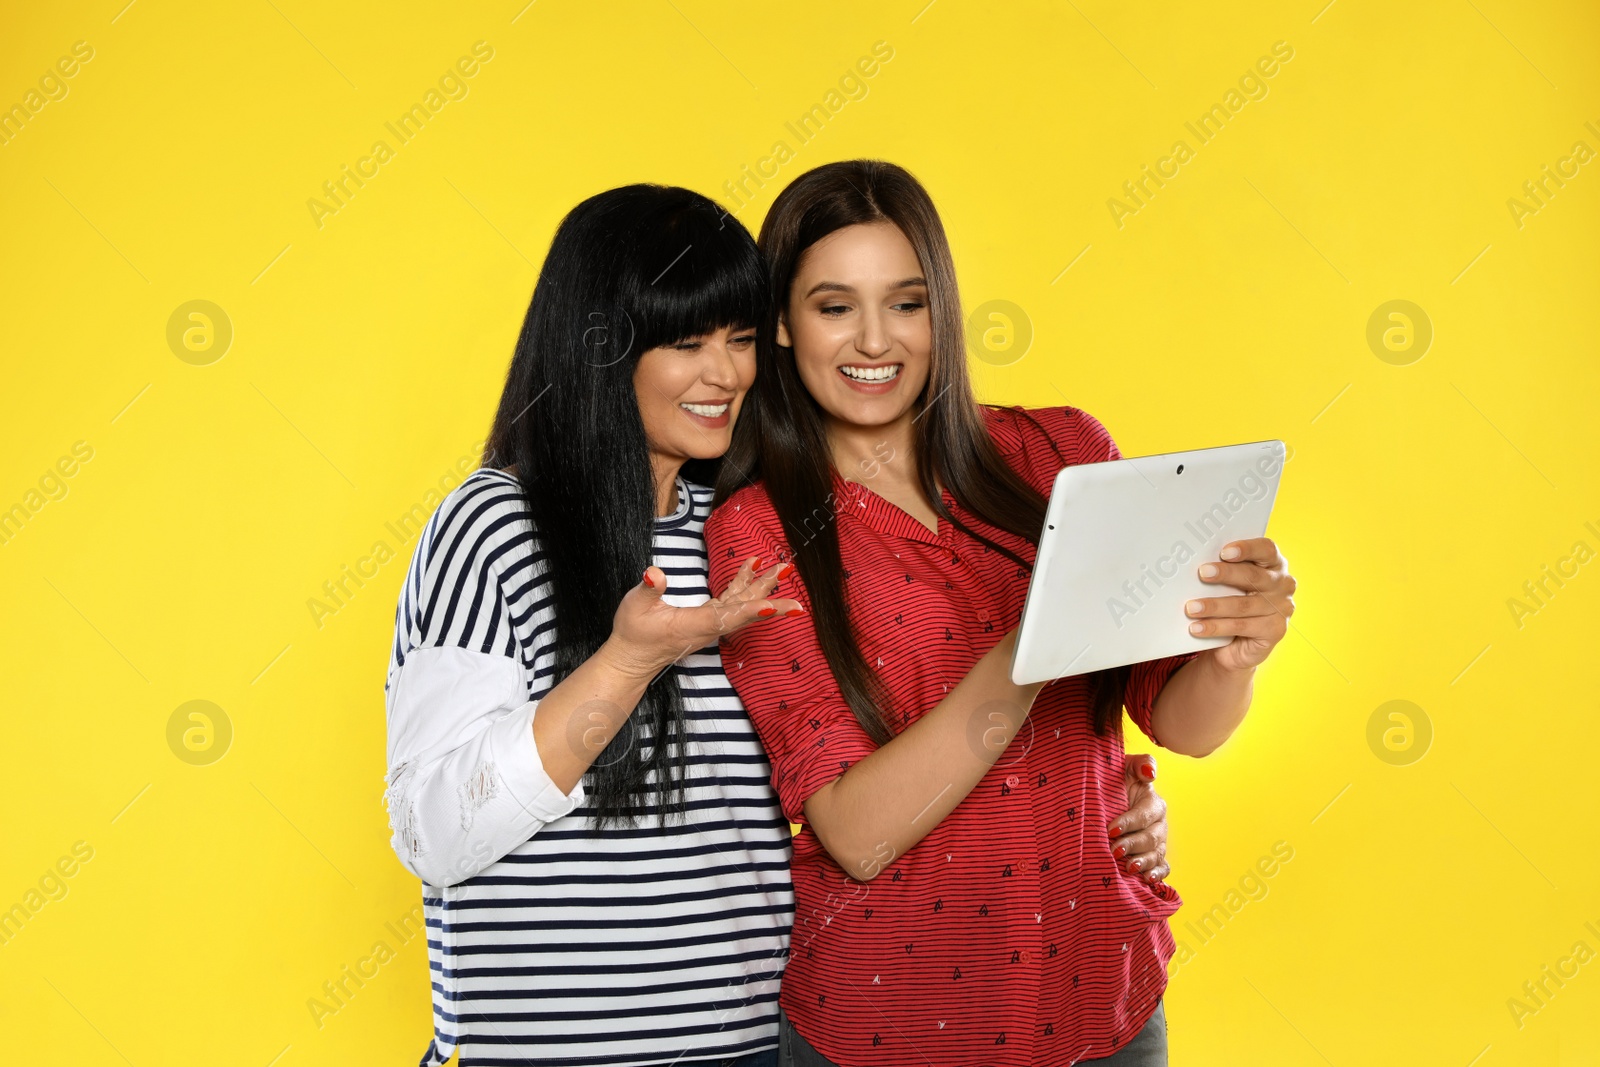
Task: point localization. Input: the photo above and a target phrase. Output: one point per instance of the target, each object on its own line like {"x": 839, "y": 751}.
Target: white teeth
{"x": 872, "y": 374}
{"x": 709, "y": 411}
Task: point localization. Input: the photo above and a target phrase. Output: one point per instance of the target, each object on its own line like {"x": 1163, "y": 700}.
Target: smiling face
{"x": 857, "y": 320}
{"x": 689, "y": 394}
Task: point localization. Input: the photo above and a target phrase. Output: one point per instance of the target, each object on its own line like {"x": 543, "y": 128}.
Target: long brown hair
{"x": 780, "y": 438}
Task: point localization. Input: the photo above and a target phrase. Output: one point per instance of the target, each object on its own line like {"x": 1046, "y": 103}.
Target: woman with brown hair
{"x": 957, "y": 898}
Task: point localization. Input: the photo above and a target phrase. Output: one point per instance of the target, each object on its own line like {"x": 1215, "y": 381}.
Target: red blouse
{"x": 1009, "y": 934}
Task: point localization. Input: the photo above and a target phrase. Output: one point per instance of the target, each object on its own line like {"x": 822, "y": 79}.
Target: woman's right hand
{"x": 648, "y": 635}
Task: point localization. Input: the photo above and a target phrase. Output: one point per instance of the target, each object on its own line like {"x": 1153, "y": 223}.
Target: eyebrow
{"x": 840, "y": 287}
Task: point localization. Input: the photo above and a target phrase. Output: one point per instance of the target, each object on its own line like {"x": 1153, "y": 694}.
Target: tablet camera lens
{"x": 1180, "y": 468}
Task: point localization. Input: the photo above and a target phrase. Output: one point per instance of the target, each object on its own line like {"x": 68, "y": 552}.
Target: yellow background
{"x": 368, "y": 352}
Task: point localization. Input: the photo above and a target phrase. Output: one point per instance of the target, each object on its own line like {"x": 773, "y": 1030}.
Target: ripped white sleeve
{"x": 465, "y": 783}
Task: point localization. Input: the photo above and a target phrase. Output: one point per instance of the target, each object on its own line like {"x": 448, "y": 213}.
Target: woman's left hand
{"x": 1139, "y": 835}
{"x": 1257, "y": 619}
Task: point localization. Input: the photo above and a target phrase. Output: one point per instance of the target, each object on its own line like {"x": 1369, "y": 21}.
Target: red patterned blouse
{"x": 1008, "y": 935}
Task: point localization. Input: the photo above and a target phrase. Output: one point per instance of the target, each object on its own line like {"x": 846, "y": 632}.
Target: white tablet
{"x": 1121, "y": 551}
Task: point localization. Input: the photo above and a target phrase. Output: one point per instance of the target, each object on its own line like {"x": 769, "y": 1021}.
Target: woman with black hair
{"x": 605, "y": 863}
{"x": 606, "y": 872}
{"x": 964, "y": 889}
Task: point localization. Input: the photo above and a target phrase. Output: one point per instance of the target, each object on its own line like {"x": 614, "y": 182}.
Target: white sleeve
{"x": 465, "y": 782}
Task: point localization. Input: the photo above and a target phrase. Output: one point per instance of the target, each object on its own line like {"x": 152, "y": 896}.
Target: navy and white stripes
{"x": 548, "y": 940}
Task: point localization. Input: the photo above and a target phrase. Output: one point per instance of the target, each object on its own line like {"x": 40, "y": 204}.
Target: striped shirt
{"x": 549, "y": 940}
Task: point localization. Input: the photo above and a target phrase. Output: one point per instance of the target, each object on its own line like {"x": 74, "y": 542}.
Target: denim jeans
{"x": 1148, "y": 1047}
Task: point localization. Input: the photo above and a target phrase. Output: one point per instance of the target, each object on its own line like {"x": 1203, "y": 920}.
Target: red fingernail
{"x": 1138, "y": 865}
{"x": 764, "y": 612}
{"x": 1119, "y": 852}
{"x": 1147, "y": 771}
{"x": 647, "y": 580}
{"x": 1116, "y": 831}
{"x": 795, "y": 611}
{"x": 760, "y": 565}
{"x": 786, "y": 570}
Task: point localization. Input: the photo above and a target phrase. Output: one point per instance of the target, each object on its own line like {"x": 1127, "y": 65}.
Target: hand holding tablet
{"x": 1120, "y": 553}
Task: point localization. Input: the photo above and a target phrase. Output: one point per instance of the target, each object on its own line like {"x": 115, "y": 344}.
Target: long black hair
{"x": 780, "y": 439}
{"x": 628, "y": 270}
